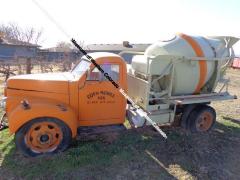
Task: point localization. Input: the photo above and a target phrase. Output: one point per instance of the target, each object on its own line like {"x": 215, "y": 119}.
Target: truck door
{"x": 100, "y": 103}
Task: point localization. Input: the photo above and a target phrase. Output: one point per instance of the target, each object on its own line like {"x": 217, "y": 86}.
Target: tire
{"x": 202, "y": 119}
{"x": 185, "y": 115}
{"x": 43, "y": 136}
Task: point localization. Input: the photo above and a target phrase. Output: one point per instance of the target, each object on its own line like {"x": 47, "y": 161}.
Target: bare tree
{"x": 38, "y": 35}
{"x": 14, "y": 31}
{"x": 64, "y": 47}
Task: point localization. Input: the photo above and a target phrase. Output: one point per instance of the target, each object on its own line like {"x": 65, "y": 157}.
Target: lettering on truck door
{"x": 99, "y": 101}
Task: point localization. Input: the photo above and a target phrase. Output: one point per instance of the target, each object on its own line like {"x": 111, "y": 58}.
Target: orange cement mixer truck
{"x": 171, "y": 78}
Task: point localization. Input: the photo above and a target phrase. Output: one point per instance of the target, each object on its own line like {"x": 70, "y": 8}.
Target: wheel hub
{"x": 43, "y": 137}
{"x": 204, "y": 122}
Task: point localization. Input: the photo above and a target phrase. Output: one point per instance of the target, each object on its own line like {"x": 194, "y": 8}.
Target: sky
{"x": 137, "y": 21}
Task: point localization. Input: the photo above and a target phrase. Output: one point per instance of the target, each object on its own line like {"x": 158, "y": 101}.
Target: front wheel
{"x": 43, "y": 136}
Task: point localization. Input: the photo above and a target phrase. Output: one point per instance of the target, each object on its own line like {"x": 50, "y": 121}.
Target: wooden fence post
{"x": 28, "y": 66}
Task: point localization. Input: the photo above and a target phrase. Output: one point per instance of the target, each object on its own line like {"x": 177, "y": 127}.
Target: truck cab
{"x": 45, "y": 110}
{"x": 100, "y": 103}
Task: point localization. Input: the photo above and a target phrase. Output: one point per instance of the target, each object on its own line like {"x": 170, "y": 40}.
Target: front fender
{"x": 20, "y": 115}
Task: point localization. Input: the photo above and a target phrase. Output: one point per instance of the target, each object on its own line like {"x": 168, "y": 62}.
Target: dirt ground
{"x": 142, "y": 153}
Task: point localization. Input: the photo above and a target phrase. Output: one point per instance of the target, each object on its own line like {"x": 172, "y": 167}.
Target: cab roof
{"x": 96, "y": 55}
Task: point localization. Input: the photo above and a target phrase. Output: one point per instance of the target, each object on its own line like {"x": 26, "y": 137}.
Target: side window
{"x": 94, "y": 75}
{"x": 111, "y": 69}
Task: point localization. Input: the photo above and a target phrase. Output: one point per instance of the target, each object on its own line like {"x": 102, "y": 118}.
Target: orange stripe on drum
{"x": 202, "y": 64}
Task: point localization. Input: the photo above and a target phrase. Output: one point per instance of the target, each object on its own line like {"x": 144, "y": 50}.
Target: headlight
{"x": 3, "y": 103}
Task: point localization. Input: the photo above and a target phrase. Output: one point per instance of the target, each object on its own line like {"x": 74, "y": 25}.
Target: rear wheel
{"x": 43, "y": 136}
{"x": 202, "y": 119}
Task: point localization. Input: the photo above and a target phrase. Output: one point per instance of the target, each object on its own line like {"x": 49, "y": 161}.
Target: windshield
{"x": 82, "y": 67}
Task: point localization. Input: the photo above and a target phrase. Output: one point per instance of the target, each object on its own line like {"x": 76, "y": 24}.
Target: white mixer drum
{"x": 190, "y": 76}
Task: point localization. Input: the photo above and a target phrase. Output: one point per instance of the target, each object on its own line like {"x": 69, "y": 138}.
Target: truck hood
{"x": 46, "y": 82}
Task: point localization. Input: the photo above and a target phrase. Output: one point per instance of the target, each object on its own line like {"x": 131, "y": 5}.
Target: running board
{"x": 94, "y": 130}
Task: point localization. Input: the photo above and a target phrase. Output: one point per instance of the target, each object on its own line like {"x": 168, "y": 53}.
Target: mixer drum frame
{"x": 162, "y": 105}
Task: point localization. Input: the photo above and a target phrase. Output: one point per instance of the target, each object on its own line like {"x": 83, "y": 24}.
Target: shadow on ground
{"x": 137, "y": 154}
{"x": 237, "y": 121}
